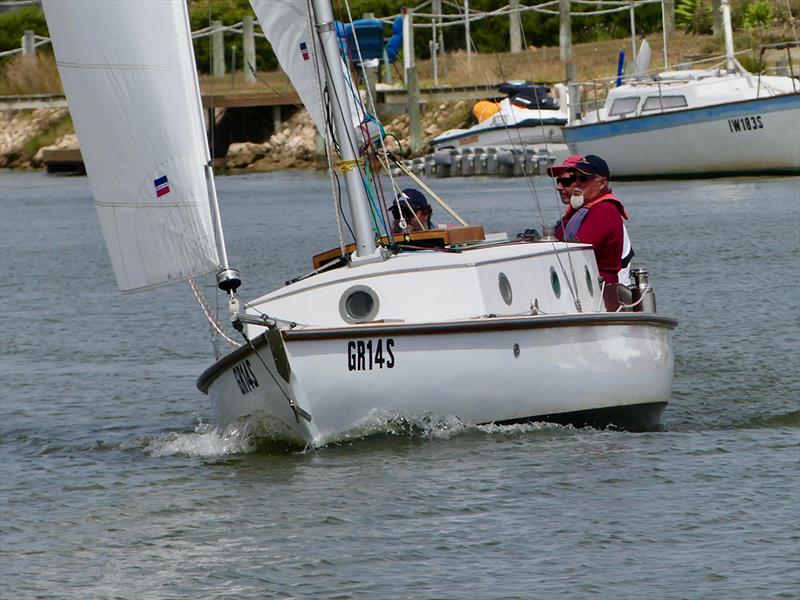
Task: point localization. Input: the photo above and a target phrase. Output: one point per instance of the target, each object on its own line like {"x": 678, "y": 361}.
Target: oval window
{"x": 358, "y": 304}
{"x": 589, "y": 281}
{"x": 555, "y": 282}
{"x": 505, "y": 288}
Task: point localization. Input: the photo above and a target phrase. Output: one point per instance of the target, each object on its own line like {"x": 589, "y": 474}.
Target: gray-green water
{"x": 113, "y": 484}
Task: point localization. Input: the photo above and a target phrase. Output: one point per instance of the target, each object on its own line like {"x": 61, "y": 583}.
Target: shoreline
{"x": 27, "y": 136}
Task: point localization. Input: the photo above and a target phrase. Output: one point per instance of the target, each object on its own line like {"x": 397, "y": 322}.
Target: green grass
{"x": 49, "y": 136}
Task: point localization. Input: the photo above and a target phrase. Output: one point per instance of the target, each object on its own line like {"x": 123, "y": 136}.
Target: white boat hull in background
{"x": 758, "y": 136}
{"x": 525, "y": 135}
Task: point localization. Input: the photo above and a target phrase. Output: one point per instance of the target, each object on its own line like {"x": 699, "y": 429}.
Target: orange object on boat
{"x": 484, "y": 109}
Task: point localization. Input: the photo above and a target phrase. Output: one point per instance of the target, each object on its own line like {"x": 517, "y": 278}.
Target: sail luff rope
{"x": 202, "y": 300}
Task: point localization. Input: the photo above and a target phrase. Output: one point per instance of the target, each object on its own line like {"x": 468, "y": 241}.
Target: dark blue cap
{"x": 414, "y": 198}
{"x": 592, "y": 165}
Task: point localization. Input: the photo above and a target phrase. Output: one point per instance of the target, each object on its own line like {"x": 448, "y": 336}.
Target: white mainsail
{"x": 287, "y": 25}
{"x": 129, "y": 76}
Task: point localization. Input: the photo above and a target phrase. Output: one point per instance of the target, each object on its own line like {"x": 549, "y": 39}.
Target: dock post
{"x": 668, "y": 26}
{"x": 248, "y": 50}
{"x": 217, "y": 49}
{"x": 514, "y": 27}
{"x": 371, "y": 81}
{"x": 716, "y": 10}
{"x": 573, "y": 101}
{"x": 466, "y": 33}
{"x": 412, "y": 87}
{"x": 414, "y": 118}
{"x": 28, "y": 47}
{"x": 436, "y": 9}
{"x": 276, "y": 119}
{"x": 565, "y": 39}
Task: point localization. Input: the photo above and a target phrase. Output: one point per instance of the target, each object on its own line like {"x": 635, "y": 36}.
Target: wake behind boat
{"x": 446, "y": 322}
{"x": 696, "y": 122}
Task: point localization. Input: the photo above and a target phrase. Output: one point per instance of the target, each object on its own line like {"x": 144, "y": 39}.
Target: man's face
{"x": 416, "y": 220}
{"x": 565, "y": 183}
{"x": 569, "y": 180}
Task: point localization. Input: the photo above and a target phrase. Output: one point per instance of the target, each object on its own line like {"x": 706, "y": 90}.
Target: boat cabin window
{"x": 623, "y": 106}
{"x": 358, "y": 304}
{"x": 657, "y": 102}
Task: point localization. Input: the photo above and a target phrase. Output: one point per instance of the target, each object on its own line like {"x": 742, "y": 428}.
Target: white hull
{"x": 753, "y": 136}
{"x": 500, "y": 136}
{"x": 558, "y": 370}
{"x": 539, "y": 351}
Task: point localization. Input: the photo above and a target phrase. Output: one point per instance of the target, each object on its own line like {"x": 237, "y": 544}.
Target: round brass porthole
{"x": 589, "y": 284}
{"x": 555, "y": 282}
{"x": 505, "y": 288}
{"x": 359, "y": 304}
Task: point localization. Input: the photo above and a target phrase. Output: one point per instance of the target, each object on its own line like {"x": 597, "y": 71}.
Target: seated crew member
{"x": 412, "y": 207}
{"x": 594, "y": 215}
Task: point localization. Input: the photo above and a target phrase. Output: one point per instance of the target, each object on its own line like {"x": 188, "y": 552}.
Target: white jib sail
{"x": 129, "y": 76}
{"x": 287, "y": 25}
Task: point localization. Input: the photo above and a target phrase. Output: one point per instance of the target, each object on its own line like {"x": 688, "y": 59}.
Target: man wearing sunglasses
{"x": 594, "y": 215}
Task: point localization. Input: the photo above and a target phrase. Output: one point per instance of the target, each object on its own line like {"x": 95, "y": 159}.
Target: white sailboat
{"x": 696, "y": 122}
{"x": 499, "y": 331}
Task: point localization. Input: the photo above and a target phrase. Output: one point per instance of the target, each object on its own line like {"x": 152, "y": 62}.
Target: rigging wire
{"x": 298, "y": 412}
{"x": 556, "y": 195}
{"x": 346, "y": 55}
{"x": 528, "y": 177}
{"x": 381, "y": 151}
{"x": 328, "y": 135}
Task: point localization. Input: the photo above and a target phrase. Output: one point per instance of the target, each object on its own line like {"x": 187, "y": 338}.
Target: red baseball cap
{"x": 569, "y": 163}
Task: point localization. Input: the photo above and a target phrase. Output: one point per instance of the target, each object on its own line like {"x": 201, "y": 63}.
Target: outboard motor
{"x": 643, "y": 294}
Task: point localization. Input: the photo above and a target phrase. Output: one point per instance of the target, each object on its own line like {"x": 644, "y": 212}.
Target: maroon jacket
{"x": 602, "y": 228}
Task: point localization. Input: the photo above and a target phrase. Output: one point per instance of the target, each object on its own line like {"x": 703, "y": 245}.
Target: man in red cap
{"x": 594, "y": 215}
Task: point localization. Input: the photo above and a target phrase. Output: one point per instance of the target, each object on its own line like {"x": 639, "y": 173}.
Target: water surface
{"x": 113, "y": 483}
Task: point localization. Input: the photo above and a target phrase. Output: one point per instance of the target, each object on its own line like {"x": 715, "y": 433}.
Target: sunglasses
{"x": 570, "y": 179}
{"x": 405, "y": 213}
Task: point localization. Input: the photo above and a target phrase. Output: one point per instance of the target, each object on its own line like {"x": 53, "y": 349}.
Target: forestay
{"x": 287, "y": 25}
{"x": 129, "y": 76}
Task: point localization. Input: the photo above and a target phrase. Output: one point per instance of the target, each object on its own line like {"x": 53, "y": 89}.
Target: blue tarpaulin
{"x": 370, "y": 38}
{"x": 395, "y": 43}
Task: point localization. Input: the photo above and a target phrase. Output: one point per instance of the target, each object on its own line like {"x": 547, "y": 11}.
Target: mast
{"x": 726, "y": 24}
{"x": 345, "y": 132}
